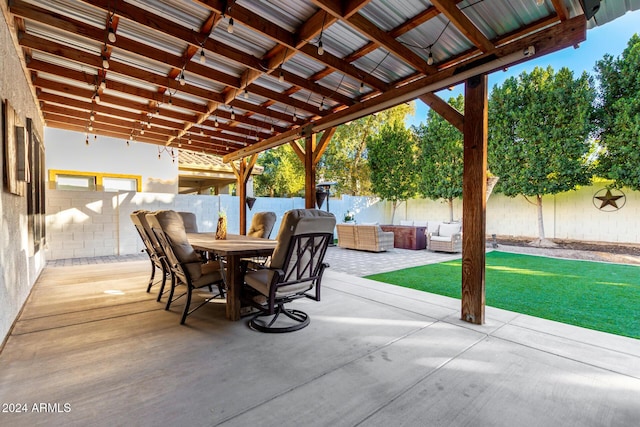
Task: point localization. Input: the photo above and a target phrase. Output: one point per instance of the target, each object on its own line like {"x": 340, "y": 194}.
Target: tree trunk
{"x": 540, "y": 219}
{"x": 394, "y": 205}
{"x": 450, "y": 200}
{"x": 541, "y": 241}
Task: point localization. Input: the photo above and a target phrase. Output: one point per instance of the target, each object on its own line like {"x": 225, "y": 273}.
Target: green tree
{"x": 538, "y": 129}
{"x": 283, "y": 174}
{"x": 440, "y": 159}
{"x": 392, "y": 158}
{"x": 618, "y": 116}
{"x": 345, "y": 160}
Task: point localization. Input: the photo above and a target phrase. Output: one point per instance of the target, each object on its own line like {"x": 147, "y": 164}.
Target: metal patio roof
{"x": 236, "y": 77}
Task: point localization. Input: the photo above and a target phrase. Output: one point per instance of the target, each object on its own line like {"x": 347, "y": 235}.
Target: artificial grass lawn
{"x": 594, "y": 295}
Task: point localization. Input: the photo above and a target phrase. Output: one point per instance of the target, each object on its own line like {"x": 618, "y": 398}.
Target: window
{"x": 35, "y": 189}
{"x": 92, "y": 181}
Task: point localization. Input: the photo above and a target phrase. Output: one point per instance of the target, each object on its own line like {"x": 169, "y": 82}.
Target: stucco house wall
{"x": 19, "y": 266}
{"x": 67, "y": 150}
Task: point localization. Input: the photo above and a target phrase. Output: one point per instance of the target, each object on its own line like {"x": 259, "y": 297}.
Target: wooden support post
{"x": 474, "y": 186}
{"x": 309, "y": 172}
{"x": 243, "y": 173}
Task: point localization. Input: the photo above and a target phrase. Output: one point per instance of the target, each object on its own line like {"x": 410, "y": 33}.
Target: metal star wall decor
{"x": 609, "y": 199}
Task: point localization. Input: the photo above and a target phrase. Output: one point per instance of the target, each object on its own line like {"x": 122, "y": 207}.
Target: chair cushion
{"x": 261, "y": 224}
{"x": 171, "y": 224}
{"x": 433, "y": 227}
{"x": 447, "y": 230}
{"x": 260, "y": 279}
{"x": 300, "y": 221}
{"x": 190, "y": 221}
{"x": 420, "y": 223}
{"x": 441, "y": 238}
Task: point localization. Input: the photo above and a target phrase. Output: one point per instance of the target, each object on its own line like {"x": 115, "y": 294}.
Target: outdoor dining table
{"x": 234, "y": 248}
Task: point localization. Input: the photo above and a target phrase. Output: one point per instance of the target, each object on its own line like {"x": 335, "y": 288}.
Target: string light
{"x": 361, "y": 90}
{"x": 320, "y": 48}
{"x": 281, "y": 77}
{"x": 86, "y": 140}
{"x": 430, "y": 58}
{"x": 90, "y": 128}
{"x": 112, "y": 35}
{"x": 96, "y": 98}
{"x": 233, "y": 114}
{"x": 246, "y": 93}
{"x": 201, "y": 132}
{"x": 103, "y": 84}
{"x": 215, "y": 121}
{"x": 321, "y": 105}
{"x": 181, "y": 78}
{"x": 105, "y": 62}
{"x": 92, "y": 116}
{"x": 203, "y": 58}
{"x": 295, "y": 117}
{"x": 230, "y": 26}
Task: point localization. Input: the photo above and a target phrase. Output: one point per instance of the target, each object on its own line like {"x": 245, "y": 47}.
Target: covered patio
{"x": 94, "y": 348}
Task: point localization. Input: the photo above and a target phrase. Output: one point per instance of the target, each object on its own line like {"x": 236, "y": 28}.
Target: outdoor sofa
{"x": 364, "y": 237}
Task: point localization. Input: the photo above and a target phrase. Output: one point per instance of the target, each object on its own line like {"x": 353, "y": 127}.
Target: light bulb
{"x": 112, "y": 35}
{"x": 295, "y": 118}
{"x": 320, "y": 48}
{"x": 159, "y": 157}
{"x": 361, "y": 90}
{"x": 179, "y": 144}
{"x": 127, "y": 143}
{"x": 105, "y": 63}
{"x": 246, "y": 94}
{"x": 430, "y": 59}
{"x": 131, "y": 137}
{"x": 321, "y": 107}
{"x": 281, "y": 77}
{"x": 539, "y": 2}
{"x": 215, "y": 122}
{"x": 141, "y": 131}
{"x": 90, "y": 128}
{"x": 92, "y": 117}
{"x": 86, "y": 141}
{"x": 203, "y": 58}
{"x": 230, "y": 26}
{"x": 201, "y": 132}
{"x": 103, "y": 84}
{"x": 148, "y": 125}
{"x": 181, "y": 80}
{"x": 233, "y": 114}
{"x": 97, "y": 98}
{"x": 272, "y": 129}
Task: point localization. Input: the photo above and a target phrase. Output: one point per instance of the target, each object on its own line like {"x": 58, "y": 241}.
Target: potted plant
{"x": 349, "y": 217}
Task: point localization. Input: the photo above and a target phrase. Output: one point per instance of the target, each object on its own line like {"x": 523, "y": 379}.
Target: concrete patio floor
{"x": 96, "y": 349}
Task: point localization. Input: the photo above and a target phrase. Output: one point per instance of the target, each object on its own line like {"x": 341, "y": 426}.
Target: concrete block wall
{"x": 89, "y": 224}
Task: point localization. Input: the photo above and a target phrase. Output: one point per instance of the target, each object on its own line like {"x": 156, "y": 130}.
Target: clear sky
{"x": 610, "y": 38}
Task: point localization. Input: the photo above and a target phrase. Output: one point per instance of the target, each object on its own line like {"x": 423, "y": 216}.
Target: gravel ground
{"x": 621, "y": 254}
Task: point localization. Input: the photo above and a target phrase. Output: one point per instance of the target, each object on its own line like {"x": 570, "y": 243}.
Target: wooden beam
{"x": 564, "y": 34}
{"x": 474, "y": 185}
{"x": 463, "y": 24}
{"x": 323, "y": 144}
{"x": 443, "y": 108}
{"x": 297, "y": 149}
{"x": 561, "y": 9}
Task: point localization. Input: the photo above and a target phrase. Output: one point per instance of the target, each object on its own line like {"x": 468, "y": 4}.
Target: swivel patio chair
{"x": 186, "y": 265}
{"x": 295, "y": 271}
{"x": 262, "y": 224}
{"x": 153, "y": 250}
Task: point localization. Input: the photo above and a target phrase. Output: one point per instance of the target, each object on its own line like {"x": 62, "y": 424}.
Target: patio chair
{"x": 186, "y": 265}
{"x": 153, "y": 250}
{"x": 295, "y": 271}
{"x": 261, "y": 224}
